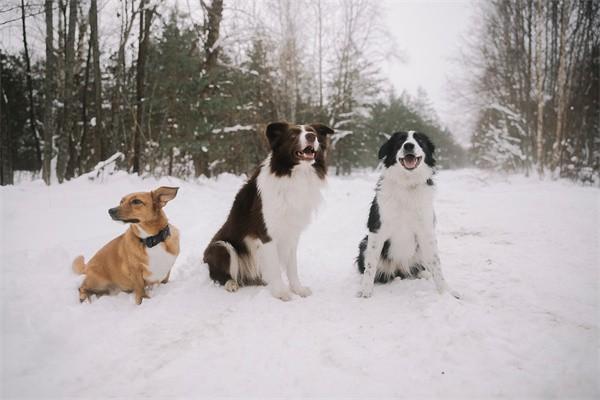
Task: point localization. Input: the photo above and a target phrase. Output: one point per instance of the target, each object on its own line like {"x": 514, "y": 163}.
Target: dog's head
{"x": 293, "y": 145}
{"x": 409, "y": 152}
{"x": 143, "y": 207}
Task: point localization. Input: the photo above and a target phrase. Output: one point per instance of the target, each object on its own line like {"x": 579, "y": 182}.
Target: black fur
{"x": 389, "y": 149}
{"x": 283, "y": 139}
{"x": 374, "y": 222}
{"x": 380, "y": 278}
{"x": 388, "y": 153}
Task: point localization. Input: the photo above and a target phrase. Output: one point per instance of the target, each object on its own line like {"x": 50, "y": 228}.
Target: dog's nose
{"x": 409, "y": 146}
{"x": 112, "y": 212}
{"x": 311, "y": 137}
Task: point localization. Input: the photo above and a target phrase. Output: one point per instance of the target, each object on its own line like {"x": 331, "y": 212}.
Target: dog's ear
{"x": 322, "y": 129}
{"x": 428, "y": 147}
{"x": 274, "y": 130}
{"x": 386, "y": 147}
{"x": 163, "y": 195}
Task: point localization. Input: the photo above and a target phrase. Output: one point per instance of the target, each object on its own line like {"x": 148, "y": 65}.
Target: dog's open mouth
{"x": 410, "y": 161}
{"x": 308, "y": 154}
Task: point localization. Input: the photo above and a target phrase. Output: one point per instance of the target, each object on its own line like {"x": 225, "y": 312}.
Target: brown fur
{"x": 245, "y": 217}
{"x": 122, "y": 264}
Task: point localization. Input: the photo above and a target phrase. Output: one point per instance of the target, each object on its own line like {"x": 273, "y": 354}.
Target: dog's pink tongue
{"x": 410, "y": 162}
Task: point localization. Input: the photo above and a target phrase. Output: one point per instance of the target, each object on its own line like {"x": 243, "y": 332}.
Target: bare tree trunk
{"x": 540, "y": 76}
{"x": 50, "y": 93}
{"x": 66, "y": 137}
{"x": 145, "y": 22}
{"x": 320, "y": 33}
{"x": 557, "y": 148}
{"x": 32, "y": 120}
{"x": 84, "y": 114}
{"x": 211, "y": 46}
{"x": 214, "y": 15}
{"x": 99, "y": 147}
{"x": 6, "y": 164}
{"x": 117, "y": 130}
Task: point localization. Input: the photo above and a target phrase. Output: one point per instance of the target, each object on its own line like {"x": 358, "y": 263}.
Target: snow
{"x": 523, "y": 253}
{"x": 235, "y": 128}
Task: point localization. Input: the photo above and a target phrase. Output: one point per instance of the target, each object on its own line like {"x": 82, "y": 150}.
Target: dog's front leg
{"x": 372, "y": 254}
{"x": 431, "y": 261}
{"x": 288, "y": 253}
{"x": 139, "y": 287}
{"x": 271, "y": 271}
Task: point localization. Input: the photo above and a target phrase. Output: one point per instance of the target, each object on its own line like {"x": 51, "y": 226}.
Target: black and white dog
{"x": 270, "y": 212}
{"x": 401, "y": 240}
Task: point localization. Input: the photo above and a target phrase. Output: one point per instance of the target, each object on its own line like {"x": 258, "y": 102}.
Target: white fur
{"x": 288, "y": 204}
{"x": 407, "y": 219}
{"x": 160, "y": 261}
{"x": 304, "y": 142}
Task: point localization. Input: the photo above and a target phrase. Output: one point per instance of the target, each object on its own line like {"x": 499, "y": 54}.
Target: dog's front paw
{"x": 282, "y": 294}
{"x": 302, "y": 291}
{"x": 231, "y": 286}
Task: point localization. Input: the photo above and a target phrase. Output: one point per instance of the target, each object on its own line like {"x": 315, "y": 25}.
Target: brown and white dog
{"x": 141, "y": 256}
{"x": 270, "y": 211}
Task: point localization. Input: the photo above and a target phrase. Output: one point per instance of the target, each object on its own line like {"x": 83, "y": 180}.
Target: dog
{"x": 401, "y": 241}
{"x": 140, "y": 257}
{"x": 270, "y": 212}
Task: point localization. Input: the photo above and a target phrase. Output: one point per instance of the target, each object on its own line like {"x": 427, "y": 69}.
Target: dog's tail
{"x": 234, "y": 260}
{"x": 79, "y": 265}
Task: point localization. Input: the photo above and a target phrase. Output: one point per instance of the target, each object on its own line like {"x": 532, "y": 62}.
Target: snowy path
{"x": 524, "y": 254}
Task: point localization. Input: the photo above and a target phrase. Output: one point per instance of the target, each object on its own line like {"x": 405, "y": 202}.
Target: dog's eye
{"x": 136, "y": 202}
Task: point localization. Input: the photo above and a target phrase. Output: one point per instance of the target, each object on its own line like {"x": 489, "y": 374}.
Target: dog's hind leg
{"x": 222, "y": 264}
{"x": 92, "y": 284}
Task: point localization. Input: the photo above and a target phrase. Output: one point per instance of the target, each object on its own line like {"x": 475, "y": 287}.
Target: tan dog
{"x": 141, "y": 256}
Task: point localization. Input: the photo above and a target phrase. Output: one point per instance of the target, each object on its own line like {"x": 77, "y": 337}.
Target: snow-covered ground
{"x": 523, "y": 253}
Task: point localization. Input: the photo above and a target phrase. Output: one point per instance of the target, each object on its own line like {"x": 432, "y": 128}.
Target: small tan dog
{"x": 141, "y": 256}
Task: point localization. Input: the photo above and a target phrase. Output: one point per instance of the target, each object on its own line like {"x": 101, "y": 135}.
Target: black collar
{"x": 161, "y": 236}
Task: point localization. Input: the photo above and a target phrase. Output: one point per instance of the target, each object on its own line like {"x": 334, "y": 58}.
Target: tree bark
{"x": 66, "y": 136}
{"x": 214, "y": 15}
{"x": 49, "y": 98}
{"x": 540, "y": 76}
{"x": 99, "y": 145}
{"x": 6, "y": 164}
{"x": 561, "y": 100}
{"x": 84, "y": 115}
{"x": 211, "y": 47}
{"x": 144, "y": 33}
{"x": 32, "y": 120}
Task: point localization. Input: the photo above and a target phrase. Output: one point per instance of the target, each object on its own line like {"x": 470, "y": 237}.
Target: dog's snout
{"x": 113, "y": 212}
{"x": 409, "y": 146}
{"x": 311, "y": 137}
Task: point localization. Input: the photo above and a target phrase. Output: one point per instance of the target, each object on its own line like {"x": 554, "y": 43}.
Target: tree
{"x": 49, "y": 93}
{"x": 6, "y": 167}
{"x": 99, "y": 138}
{"x": 65, "y": 138}
{"x": 143, "y": 38}
{"x": 539, "y": 78}
{"x": 32, "y": 120}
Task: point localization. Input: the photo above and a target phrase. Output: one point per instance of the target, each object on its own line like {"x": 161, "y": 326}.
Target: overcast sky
{"x": 429, "y": 33}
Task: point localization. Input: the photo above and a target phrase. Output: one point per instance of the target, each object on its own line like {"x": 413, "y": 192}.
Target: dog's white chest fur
{"x": 160, "y": 261}
{"x": 406, "y": 215}
{"x": 288, "y": 202}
